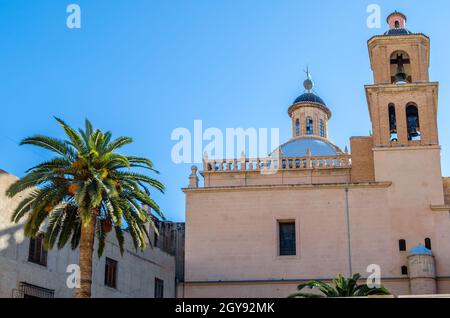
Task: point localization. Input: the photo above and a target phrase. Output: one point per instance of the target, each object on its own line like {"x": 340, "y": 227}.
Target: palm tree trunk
{"x": 86, "y": 250}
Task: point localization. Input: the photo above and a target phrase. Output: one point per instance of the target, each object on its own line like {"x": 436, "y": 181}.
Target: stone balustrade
{"x": 272, "y": 163}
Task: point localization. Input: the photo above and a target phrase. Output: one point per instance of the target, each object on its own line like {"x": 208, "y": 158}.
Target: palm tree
{"x": 342, "y": 288}
{"x": 85, "y": 191}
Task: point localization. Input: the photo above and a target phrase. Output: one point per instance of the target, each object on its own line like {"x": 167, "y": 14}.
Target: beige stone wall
{"x": 231, "y": 236}
{"x": 256, "y": 178}
{"x": 416, "y": 185}
{"x": 362, "y": 159}
{"x": 446, "y": 183}
{"x": 266, "y": 289}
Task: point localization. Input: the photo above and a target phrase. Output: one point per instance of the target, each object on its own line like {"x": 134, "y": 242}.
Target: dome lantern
{"x": 309, "y": 113}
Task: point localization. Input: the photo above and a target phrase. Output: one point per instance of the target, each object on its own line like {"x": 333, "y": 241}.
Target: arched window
{"x": 400, "y": 67}
{"x": 412, "y": 122}
{"x": 402, "y": 245}
{"x": 322, "y": 128}
{"x": 428, "y": 243}
{"x": 309, "y": 126}
{"x": 397, "y": 24}
{"x": 393, "y": 122}
{"x": 297, "y": 127}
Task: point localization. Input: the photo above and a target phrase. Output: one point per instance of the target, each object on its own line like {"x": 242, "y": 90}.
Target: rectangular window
{"x": 111, "y": 273}
{"x": 402, "y": 245}
{"x": 36, "y": 252}
{"x": 287, "y": 242}
{"x": 159, "y": 288}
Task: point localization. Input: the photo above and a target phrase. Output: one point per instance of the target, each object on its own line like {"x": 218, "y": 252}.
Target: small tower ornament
{"x": 193, "y": 179}
{"x": 308, "y": 84}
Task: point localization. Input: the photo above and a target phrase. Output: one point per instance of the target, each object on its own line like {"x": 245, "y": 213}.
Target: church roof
{"x": 319, "y": 147}
{"x": 420, "y": 250}
{"x": 309, "y": 98}
{"x": 398, "y": 32}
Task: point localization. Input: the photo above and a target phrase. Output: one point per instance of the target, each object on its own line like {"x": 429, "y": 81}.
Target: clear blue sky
{"x": 144, "y": 67}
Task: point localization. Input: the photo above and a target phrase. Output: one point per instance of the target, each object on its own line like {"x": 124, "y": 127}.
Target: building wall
{"x": 136, "y": 270}
{"x": 231, "y": 232}
{"x": 243, "y": 249}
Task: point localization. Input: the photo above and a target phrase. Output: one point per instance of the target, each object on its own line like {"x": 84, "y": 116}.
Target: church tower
{"x": 403, "y": 105}
{"x": 402, "y": 101}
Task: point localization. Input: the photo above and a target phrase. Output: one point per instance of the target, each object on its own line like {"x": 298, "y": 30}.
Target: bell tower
{"x": 402, "y": 101}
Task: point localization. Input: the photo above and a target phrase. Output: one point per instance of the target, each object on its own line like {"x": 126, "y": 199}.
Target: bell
{"x": 401, "y": 77}
{"x": 413, "y": 133}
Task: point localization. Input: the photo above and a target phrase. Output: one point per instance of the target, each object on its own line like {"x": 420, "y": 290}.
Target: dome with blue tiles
{"x": 398, "y": 32}
{"x": 309, "y": 98}
{"x": 319, "y": 147}
{"x": 420, "y": 250}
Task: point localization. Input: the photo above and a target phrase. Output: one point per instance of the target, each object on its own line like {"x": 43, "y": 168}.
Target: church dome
{"x": 420, "y": 250}
{"x": 398, "y": 32}
{"x": 318, "y": 146}
{"x": 309, "y": 98}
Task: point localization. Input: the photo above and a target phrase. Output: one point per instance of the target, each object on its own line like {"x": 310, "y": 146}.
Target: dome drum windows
{"x": 322, "y": 128}
{"x": 309, "y": 126}
{"x": 297, "y": 127}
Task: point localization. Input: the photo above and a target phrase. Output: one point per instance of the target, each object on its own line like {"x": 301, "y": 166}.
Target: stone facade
{"x": 347, "y": 211}
{"x": 19, "y": 277}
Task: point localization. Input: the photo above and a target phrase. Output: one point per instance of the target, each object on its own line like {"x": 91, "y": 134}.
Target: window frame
{"x": 111, "y": 263}
{"x": 279, "y": 240}
{"x": 159, "y": 288}
{"x": 34, "y": 256}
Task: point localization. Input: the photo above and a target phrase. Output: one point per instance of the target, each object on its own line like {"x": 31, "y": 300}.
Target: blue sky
{"x": 142, "y": 68}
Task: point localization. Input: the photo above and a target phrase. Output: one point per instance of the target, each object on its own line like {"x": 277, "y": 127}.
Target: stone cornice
{"x": 296, "y": 106}
{"x": 290, "y": 187}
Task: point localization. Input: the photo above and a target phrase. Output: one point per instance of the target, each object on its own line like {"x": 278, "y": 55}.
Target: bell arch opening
{"x": 392, "y": 123}
{"x": 400, "y": 67}
{"x": 413, "y": 122}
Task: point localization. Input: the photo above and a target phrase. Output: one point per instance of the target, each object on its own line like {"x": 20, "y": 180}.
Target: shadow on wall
{"x": 11, "y": 239}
